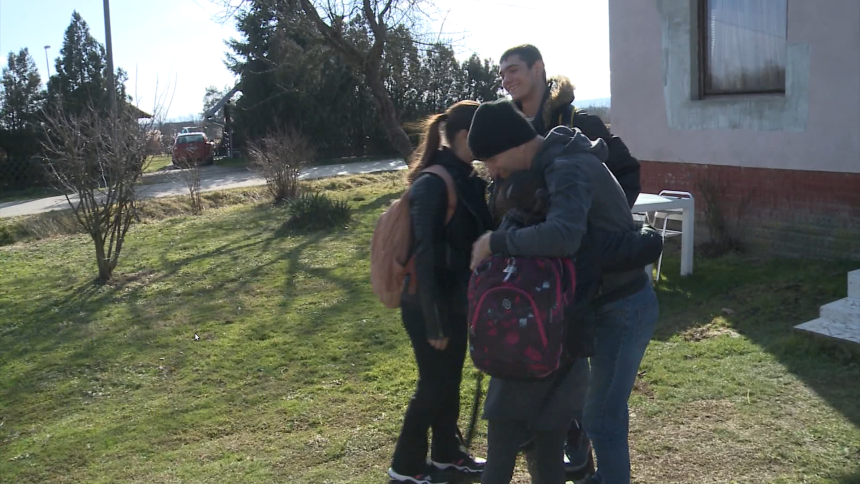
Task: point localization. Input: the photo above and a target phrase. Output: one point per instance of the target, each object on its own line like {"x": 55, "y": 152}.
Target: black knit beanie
{"x": 498, "y": 126}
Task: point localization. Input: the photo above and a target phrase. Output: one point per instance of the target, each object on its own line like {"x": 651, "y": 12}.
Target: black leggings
{"x": 436, "y": 401}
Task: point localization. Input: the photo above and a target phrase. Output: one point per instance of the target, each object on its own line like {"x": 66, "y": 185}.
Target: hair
{"x": 528, "y": 53}
{"x": 524, "y": 192}
{"x": 458, "y": 117}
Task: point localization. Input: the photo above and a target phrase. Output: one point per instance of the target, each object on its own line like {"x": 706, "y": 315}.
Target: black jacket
{"x": 443, "y": 253}
{"x": 557, "y": 110}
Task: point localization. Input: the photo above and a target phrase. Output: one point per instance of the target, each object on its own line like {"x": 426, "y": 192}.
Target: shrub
{"x": 317, "y": 211}
{"x": 6, "y": 237}
{"x": 280, "y": 156}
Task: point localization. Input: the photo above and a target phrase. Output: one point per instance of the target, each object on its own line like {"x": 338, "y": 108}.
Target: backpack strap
{"x": 442, "y": 173}
{"x": 476, "y": 408}
{"x": 558, "y": 379}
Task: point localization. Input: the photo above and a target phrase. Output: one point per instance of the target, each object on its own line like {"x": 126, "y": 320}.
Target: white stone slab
{"x": 832, "y": 329}
{"x": 854, "y": 284}
{"x": 845, "y": 311}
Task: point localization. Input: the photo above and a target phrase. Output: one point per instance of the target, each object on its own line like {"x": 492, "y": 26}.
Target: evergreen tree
{"x": 290, "y": 77}
{"x": 81, "y": 78}
{"x": 482, "y": 80}
{"x": 21, "y": 92}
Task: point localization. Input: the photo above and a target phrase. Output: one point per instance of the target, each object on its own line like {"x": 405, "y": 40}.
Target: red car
{"x": 193, "y": 148}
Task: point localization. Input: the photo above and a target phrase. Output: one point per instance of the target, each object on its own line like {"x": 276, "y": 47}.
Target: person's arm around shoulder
{"x": 570, "y": 198}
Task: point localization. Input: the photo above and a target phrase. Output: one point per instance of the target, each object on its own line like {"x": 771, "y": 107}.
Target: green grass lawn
{"x": 301, "y": 376}
{"x": 157, "y": 163}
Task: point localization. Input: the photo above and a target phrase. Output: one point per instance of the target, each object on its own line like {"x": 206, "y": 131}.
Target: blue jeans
{"x": 623, "y": 331}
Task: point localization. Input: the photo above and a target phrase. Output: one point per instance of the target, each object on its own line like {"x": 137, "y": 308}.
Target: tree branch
{"x": 379, "y": 29}
{"x": 329, "y": 33}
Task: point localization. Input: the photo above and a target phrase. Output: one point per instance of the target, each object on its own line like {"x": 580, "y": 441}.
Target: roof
{"x": 139, "y": 114}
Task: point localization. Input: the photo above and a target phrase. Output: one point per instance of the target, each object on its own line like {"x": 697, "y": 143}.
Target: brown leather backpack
{"x": 390, "y": 248}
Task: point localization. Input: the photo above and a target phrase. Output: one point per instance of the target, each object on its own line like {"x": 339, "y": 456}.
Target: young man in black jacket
{"x": 548, "y": 103}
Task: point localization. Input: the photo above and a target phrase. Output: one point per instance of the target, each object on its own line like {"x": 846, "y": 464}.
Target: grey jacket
{"x": 581, "y": 191}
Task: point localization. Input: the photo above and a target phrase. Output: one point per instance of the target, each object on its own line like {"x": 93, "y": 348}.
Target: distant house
{"x": 761, "y": 98}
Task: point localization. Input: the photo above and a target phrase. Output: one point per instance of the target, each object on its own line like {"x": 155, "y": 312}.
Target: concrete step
{"x": 845, "y": 311}
{"x": 854, "y": 284}
{"x": 832, "y": 329}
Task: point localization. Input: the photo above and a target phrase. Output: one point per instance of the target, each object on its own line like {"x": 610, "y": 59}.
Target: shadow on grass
{"x": 63, "y": 322}
{"x": 851, "y": 477}
{"x": 763, "y": 301}
{"x": 355, "y": 309}
{"x": 79, "y": 303}
{"x": 345, "y": 323}
{"x": 88, "y": 335}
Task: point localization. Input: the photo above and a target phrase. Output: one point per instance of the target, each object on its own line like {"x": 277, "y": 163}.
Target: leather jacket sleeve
{"x": 427, "y": 208}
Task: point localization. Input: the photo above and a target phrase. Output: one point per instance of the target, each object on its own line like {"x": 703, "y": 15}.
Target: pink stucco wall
{"x": 831, "y": 141}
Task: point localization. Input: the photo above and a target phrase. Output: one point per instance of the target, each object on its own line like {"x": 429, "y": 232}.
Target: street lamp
{"x": 47, "y": 64}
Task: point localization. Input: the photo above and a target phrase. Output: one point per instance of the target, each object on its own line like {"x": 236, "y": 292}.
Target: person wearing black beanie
{"x": 583, "y": 195}
{"x": 497, "y": 127}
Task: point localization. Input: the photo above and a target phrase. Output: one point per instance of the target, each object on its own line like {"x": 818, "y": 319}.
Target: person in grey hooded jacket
{"x": 582, "y": 192}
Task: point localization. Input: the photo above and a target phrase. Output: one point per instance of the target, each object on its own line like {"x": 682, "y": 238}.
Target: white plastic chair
{"x": 666, "y": 216}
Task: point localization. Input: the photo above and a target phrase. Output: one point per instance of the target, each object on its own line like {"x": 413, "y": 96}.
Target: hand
{"x": 439, "y": 344}
{"x": 480, "y": 250}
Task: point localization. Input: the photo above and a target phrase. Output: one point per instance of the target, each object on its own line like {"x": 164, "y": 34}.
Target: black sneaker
{"x": 465, "y": 463}
{"x": 577, "y": 449}
{"x": 432, "y": 476}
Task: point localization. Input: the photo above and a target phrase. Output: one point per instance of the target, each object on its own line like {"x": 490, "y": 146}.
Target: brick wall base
{"x": 779, "y": 212}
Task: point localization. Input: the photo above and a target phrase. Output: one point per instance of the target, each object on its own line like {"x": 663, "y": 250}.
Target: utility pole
{"x": 110, "y": 76}
{"x": 47, "y": 64}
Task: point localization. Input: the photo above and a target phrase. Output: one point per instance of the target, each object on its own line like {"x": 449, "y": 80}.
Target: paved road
{"x": 169, "y": 183}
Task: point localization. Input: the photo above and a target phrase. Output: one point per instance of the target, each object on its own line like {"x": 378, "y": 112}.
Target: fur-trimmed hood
{"x": 559, "y": 93}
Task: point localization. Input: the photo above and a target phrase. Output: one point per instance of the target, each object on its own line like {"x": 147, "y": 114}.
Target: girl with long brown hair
{"x": 435, "y": 315}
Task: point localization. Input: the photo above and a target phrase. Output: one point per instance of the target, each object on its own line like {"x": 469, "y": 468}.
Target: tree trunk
{"x": 388, "y": 114}
{"x": 105, "y": 270}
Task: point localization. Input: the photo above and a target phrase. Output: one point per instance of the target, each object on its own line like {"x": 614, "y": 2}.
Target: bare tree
{"x": 280, "y": 156}
{"x": 97, "y": 162}
{"x": 337, "y": 23}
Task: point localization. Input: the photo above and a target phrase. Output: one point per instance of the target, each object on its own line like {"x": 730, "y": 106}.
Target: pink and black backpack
{"x": 517, "y": 326}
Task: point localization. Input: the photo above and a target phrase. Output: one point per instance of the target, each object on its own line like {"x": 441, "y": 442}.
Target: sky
{"x": 175, "y": 48}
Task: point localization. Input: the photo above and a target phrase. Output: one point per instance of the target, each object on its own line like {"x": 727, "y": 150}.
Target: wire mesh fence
{"x": 22, "y": 174}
